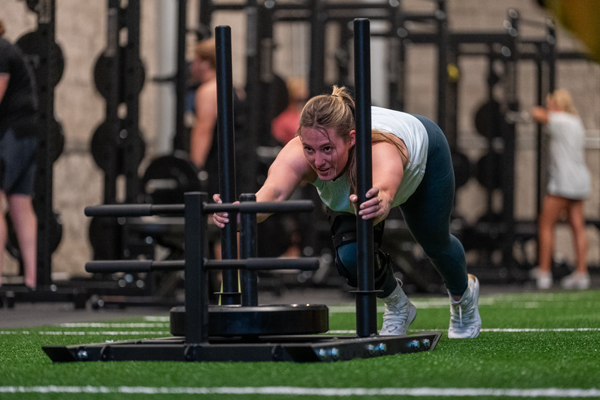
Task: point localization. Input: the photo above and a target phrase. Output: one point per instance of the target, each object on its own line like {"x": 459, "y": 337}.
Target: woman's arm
{"x": 4, "y": 79}
{"x": 540, "y": 114}
{"x": 288, "y": 170}
{"x": 388, "y": 170}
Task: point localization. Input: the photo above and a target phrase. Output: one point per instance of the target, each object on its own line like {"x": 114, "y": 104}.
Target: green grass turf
{"x": 547, "y": 359}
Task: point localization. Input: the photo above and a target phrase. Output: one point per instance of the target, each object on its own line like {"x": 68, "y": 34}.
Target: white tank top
{"x": 567, "y": 172}
{"x": 335, "y": 194}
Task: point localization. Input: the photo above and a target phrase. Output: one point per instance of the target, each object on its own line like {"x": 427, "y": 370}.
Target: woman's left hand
{"x": 375, "y": 207}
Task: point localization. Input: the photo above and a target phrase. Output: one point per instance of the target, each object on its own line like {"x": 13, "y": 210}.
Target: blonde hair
{"x": 2, "y": 30}
{"x": 206, "y": 50}
{"x": 297, "y": 89}
{"x": 336, "y": 111}
{"x": 564, "y": 100}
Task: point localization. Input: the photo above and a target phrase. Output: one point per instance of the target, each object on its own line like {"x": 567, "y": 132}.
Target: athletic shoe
{"x": 399, "y": 313}
{"x": 576, "y": 281}
{"x": 465, "y": 321}
{"x": 543, "y": 279}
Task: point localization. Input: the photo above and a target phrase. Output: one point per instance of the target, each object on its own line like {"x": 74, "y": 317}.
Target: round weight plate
{"x": 33, "y": 5}
{"x": 289, "y": 319}
{"x": 103, "y": 78}
{"x": 462, "y": 169}
{"x": 167, "y": 178}
{"x": 108, "y": 147}
{"x": 57, "y": 140}
{"x": 489, "y": 167}
{"x": 31, "y": 45}
{"x": 489, "y": 116}
{"x": 105, "y": 238}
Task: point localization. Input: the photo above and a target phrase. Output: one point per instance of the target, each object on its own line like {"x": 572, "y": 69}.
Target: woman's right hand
{"x": 220, "y": 219}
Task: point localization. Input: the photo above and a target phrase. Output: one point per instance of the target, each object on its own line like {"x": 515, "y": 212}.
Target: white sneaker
{"x": 576, "y": 281}
{"x": 399, "y": 313}
{"x": 465, "y": 321}
{"x": 543, "y": 279}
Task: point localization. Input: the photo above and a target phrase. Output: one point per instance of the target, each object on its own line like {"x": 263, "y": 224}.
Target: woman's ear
{"x": 352, "y": 137}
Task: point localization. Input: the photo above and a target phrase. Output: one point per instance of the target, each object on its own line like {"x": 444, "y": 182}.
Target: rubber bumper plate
{"x": 235, "y": 320}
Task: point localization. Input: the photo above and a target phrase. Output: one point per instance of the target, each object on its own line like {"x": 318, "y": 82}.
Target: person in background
{"x": 203, "y": 139}
{"x": 568, "y": 184}
{"x": 18, "y": 142}
{"x": 284, "y": 127}
{"x": 412, "y": 168}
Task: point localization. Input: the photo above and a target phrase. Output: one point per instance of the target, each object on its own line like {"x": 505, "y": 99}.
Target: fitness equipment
{"x": 110, "y": 146}
{"x": 488, "y": 170}
{"x": 239, "y": 344}
{"x": 168, "y": 177}
{"x": 32, "y": 46}
{"x": 103, "y": 77}
{"x": 462, "y": 169}
{"x": 489, "y": 120}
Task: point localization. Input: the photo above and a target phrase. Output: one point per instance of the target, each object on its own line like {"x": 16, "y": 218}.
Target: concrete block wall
{"x": 81, "y": 31}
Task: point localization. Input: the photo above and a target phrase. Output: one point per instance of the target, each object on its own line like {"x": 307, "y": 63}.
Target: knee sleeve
{"x": 343, "y": 229}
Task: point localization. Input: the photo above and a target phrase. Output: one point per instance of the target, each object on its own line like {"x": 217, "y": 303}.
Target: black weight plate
{"x": 105, "y": 238}
{"x": 31, "y": 45}
{"x": 288, "y": 319}
{"x": 33, "y": 5}
{"x": 109, "y": 147}
{"x": 498, "y": 124}
{"x": 462, "y": 169}
{"x": 56, "y": 143}
{"x": 168, "y": 177}
{"x": 103, "y": 78}
{"x": 489, "y": 167}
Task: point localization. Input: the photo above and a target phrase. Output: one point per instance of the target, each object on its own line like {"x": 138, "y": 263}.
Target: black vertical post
{"x": 204, "y": 19}
{"x": 252, "y": 108}
{"x": 180, "y": 77}
{"x": 366, "y": 306}
{"x": 509, "y": 137}
{"x": 230, "y": 293}
{"x": 396, "y": 59}
{"x": 318, "y": 16}
{"x": 113, "y": 55}
{"x": 133, "y": 71}
{"x": 196, "y": 288}
{"x": 248, "y": 249}
{"x": 442, "y": 70}
{"x": 46, "y": 27}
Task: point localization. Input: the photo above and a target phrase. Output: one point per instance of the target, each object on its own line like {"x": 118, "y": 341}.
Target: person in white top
{"x": 411, "y": 168}
{"x": 568, "y": 184}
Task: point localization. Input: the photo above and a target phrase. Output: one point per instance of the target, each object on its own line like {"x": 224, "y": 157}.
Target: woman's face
{"x": 327, "y": 153}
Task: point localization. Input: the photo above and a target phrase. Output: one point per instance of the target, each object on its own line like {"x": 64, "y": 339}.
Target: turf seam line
{"x": 295, "y": 391}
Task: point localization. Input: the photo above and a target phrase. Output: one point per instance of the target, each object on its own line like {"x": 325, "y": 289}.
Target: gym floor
{"x": 27, "y": 315}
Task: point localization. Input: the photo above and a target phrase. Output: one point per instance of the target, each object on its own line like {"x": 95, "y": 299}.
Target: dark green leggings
{"x": 427, "y": 214}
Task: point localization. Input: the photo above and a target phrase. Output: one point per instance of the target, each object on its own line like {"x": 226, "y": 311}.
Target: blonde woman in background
{"x": 568, "y": 184}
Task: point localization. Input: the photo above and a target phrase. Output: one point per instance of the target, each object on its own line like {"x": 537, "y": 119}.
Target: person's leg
{"x": 25, "y": 224}
{"x": 427, "y": 214}
{"x": 577, "y": 223}
{"x": 3, "y": 236}
{"x": 552, "y": 208}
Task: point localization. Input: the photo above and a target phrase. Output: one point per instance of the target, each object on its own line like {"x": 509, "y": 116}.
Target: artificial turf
{"x": 560, "y": 350}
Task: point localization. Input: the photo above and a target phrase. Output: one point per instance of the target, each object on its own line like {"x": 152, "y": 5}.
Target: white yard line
{"x": 296, "y": 391}
{"x": 331, "y": 332}
{"x": 83, "y": 333}
{"x": 113, "y": 325}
